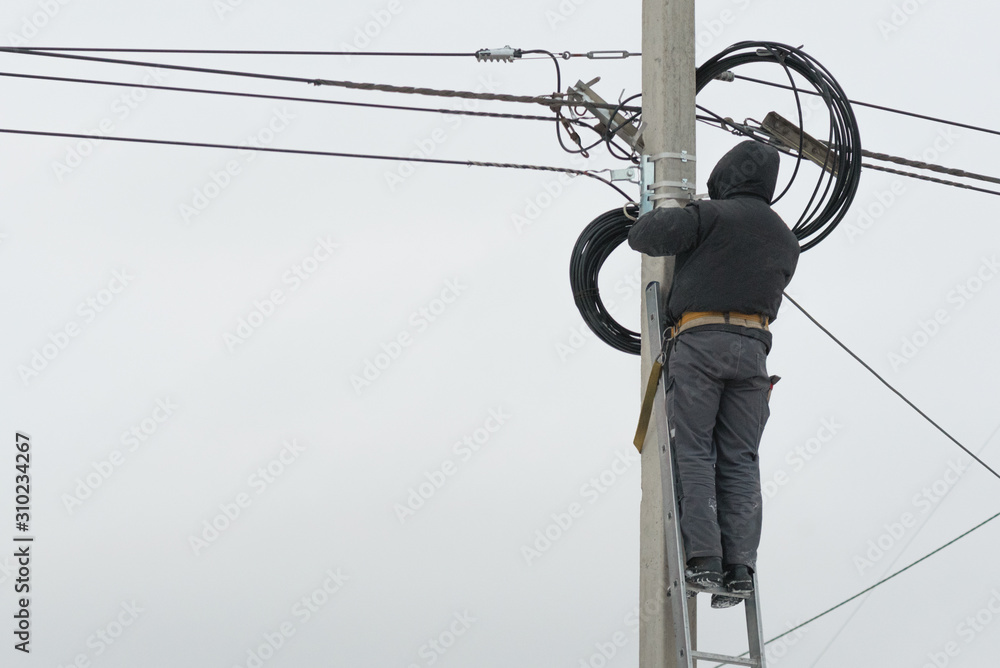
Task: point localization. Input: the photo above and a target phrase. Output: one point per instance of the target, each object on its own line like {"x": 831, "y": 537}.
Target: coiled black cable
{"x": 834, "y": 191}
{"x": 839, "y": 182}
{"x": 597, "y": 241}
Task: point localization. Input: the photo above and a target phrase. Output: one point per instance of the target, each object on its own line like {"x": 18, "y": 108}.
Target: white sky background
{"x": 568, "y": 419}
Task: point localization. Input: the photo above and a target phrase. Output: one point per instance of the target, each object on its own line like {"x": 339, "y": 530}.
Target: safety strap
{"x": 646, "y": 412}
{"x": 647, "y": 404}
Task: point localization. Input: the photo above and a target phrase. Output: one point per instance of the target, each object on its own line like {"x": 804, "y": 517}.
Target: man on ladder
{"x": 734, "y": 257}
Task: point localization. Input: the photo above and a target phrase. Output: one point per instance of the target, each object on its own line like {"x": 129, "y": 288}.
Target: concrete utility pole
{"x": 668, "y": 109}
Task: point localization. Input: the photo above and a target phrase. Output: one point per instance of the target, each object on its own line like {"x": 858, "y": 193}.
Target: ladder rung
{"x": 717, "y": 590}
{"x": 722, "y": 658}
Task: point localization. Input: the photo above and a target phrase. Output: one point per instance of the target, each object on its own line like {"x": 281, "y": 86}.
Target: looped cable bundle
{"x": 838, "y": 182}
{"x": 597, "y": 241}
{"x": 834, "y": 191}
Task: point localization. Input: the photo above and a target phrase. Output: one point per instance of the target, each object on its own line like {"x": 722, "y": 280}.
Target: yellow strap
{"x": 647, "y": 404}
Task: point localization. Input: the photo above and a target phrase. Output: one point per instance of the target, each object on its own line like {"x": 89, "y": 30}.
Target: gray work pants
{"x": 717, "y": 401}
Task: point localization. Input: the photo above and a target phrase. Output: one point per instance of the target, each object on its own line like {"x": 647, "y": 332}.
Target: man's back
{"x": 734, "y": 253}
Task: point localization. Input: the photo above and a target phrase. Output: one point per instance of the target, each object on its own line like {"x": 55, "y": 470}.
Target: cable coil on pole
{"x": 833, "y": 194}
{"x": 597, "y": 241}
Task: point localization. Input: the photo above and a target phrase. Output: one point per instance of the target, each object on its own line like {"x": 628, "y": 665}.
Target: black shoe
{"x": 704, "y": 572}
{"x": 737, "y": 579}
{"x": 722, "y": 601}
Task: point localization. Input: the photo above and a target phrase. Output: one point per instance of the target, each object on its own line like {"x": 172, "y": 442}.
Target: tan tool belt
{"x": 698, "y": 318}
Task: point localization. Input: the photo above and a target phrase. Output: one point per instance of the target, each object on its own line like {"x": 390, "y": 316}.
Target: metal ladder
{"x": 677, "y": 589}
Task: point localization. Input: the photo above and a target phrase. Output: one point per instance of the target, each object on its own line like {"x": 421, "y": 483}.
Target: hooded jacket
{"x": 733, "y": 252}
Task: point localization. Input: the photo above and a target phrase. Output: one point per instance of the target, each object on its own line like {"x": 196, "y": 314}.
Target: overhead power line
{"x": 876, "y": 106}
{"x": 883, "y": 580}
{"x": 717, "y": 121}
{"x": 565, "y": 55}
{"x": 284, "y": 98}
{"x": 894, "y": 390}
{"x": 548, "y": 101}
{"x": 334, "y": 154}
{"x": 248, "y": 52}
{"x": 923, "y": 177}
{"x": 876, "y": 585}
{"x": 930, "y": 167}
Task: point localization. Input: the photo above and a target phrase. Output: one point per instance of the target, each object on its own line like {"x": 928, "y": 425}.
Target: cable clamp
{"x": 630, "y": 174}
{"x": 506, "y": 54}
{"x": 683, "y": 156}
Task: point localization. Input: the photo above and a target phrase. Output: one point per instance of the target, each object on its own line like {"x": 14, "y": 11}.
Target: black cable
{"x": 547, "y": 101}
{"x": 922, "y": 177}
{"x": 247, "y": 52}
{"x": 283, "y": 98}
{"x": 845, "y": 140}
{"x": 717, "y": 121}
{"x": 883, "y": 580}
{"x": 595, "y": 244}
{"x": 334, "y": 154}
{"x": 881, "y": 107}
{"x": 894, "y": 390}
{"x": 612, "y": 131}
{"x": 610, "y": 229}
{"x": 558, "y": 112}
{"x": 566, "y": 55}
{"x": 877, "y": 584}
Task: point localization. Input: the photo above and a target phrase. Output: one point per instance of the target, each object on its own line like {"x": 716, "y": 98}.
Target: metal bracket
{"x": 646, "y": 173}
{"x": 588, "y": 98}
{"x": 647, "y": 186}
{"x": 682, "y": 156}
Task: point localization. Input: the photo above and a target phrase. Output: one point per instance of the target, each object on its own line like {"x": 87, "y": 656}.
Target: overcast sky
{"x": 308, "y": 411}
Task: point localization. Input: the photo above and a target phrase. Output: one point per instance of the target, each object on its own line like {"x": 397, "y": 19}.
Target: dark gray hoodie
{"x": 733, "y": 252}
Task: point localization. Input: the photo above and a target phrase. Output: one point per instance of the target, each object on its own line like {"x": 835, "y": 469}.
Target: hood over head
{"x": 750, "y": 169}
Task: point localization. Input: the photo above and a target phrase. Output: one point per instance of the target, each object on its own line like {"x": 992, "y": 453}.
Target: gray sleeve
{"x": 666, "y": 231}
